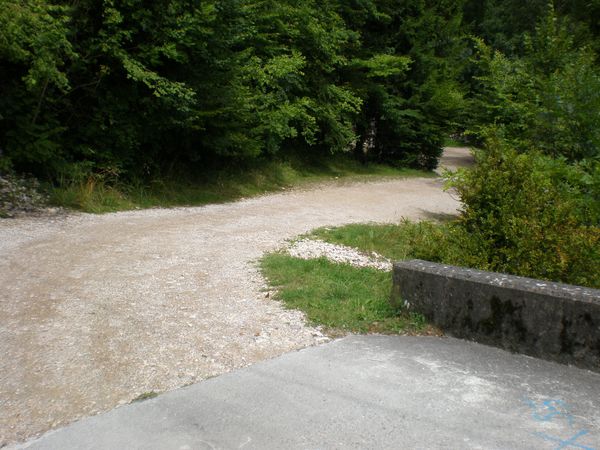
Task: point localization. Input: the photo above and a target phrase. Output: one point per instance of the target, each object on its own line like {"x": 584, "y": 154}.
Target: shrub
{"x": 546, "y": 100}
{"x": 533, "y": 215}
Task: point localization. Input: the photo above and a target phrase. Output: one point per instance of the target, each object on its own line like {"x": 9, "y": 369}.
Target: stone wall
{"x": 548, "y": 320}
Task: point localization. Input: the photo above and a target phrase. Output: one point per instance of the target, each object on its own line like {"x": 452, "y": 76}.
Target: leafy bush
{"x": 145, "y": 89}
{"x": 533, "y": 215}
{"x": 546, "y": 100}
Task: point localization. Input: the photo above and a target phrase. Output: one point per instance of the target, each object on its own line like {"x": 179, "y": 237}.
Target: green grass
{"x": 339, "y": 297}
{"x": 98, "y": 196}
{"x": 447, "y": 243}
{"x": 431, "y": 241}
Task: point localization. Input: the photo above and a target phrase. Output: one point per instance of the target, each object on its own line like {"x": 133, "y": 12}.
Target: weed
{"x": 145, "y": 396}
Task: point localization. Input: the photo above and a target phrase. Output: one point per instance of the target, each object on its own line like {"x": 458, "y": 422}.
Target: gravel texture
{"x": 315, "y": 248}
{"x": 98, "y": 309}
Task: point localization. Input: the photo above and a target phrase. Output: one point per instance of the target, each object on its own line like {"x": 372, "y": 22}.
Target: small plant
{"x": 145, "y": 396}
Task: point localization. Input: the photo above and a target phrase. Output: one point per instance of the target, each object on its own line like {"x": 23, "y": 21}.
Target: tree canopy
{"x": 132, "y": 87}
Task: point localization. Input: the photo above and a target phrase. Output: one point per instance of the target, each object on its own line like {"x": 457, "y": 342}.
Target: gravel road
{"x": 98, "y": 309}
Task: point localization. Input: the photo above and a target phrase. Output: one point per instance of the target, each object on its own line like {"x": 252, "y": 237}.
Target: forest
{"x": 132, "y": 88}
{"x": 131, "y": 92}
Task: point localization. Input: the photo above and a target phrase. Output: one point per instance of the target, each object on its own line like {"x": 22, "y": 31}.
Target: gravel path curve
{"x": 96, "y": 310}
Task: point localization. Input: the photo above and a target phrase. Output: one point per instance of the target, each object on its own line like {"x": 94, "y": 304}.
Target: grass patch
{"x": 431, "y": 241}
{"x": 98, "y": 195}
{"x": 91, "y": 196}
{"x": 337, "y": 296}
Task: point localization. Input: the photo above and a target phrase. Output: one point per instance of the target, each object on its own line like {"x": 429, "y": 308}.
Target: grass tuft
{"x": 145, "y": 396}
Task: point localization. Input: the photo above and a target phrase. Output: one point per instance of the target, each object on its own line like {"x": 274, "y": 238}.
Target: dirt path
{"x": 96, "y": 310}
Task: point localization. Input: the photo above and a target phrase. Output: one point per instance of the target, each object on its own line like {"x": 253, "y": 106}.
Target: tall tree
{"x": 404, "y": 69}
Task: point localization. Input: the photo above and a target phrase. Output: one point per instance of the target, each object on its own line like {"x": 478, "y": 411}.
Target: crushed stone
{"x": 316, "y": 248}
{"x": 97, "y": 310}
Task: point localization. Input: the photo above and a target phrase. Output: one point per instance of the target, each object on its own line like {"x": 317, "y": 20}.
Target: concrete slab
{"x": 363, "y": 392}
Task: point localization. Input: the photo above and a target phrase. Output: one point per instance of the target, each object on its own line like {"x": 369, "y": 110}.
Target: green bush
{"x": 533, "y": 215}
{"x": 546, "y": 100}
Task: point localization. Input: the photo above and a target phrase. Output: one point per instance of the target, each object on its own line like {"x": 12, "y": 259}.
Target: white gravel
{"x": 98, "y": 309}
{"x": 315, "y": 248}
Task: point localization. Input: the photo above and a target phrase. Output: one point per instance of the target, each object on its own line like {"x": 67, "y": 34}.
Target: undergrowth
{"x": 522, "y": 213}
{"x": 98, "y": 194}
{"x": 430, "y": 241}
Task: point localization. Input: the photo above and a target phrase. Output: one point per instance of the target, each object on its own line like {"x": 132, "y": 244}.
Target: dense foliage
{"x": 135, "y": 87}
{"x": 532, "y": 203}
{"x": 531, "y": 214}
{"x": 546, "y": 100}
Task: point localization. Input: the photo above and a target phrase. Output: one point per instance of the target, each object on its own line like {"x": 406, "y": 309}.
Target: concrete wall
{"x": 553, "y": 321}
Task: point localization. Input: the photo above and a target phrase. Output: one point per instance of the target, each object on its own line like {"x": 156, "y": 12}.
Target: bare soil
{"x": 96, "y": 310}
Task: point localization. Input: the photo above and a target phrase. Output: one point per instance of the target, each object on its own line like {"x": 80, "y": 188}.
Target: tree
{"x": 404, "y": 72}
{"x": 548, "y": 99}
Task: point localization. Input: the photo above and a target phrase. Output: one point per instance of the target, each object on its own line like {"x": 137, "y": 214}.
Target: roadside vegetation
{"x": 339, "y": 297}
{"x": 100, "y": 98}
{"x": 525, "y": 214}
{"x": 99, "y": 194}
{"x": 531, "y": 204}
